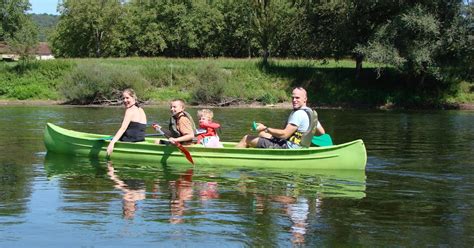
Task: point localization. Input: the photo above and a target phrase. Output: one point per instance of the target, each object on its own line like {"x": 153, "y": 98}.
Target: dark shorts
{"x": 273, "y": 143}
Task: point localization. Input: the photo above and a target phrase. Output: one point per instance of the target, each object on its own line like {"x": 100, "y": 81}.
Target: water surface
{"x": 417, "y": 189}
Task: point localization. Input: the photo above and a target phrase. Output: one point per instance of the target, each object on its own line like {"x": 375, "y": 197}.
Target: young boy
{"x": 207, "y": 134}
{"x": 181, "y": 124}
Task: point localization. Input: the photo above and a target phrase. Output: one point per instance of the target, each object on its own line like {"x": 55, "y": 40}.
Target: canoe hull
{"x": 347, "y": 156}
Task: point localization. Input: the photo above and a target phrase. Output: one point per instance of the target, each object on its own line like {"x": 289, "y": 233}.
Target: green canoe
{"x": 347, "y": 156}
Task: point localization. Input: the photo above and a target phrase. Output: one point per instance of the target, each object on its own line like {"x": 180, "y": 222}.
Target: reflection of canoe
{"x": 323, "y": 183}
{"x": 347, "y": 156}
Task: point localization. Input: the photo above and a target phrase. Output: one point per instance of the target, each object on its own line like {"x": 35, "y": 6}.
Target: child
{"x": 207, "y": 134}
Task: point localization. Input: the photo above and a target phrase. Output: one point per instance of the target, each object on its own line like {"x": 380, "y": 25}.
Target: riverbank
{"x": 225, "y": 82}
{"x": 282, "y": 105}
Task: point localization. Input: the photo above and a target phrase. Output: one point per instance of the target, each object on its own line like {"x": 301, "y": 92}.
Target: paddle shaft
{"x": 185, "y": 151}
{"x": 146, "y": 135}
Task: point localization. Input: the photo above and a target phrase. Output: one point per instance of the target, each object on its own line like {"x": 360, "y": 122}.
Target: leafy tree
{"x": 208, "y": 23}
{"x": 237, "y": 36}
{"x": 46, "y": 24}
{"x": 266, "y": 21}
{"x": 337, "y": 27}
{"x": 87, "y": 28}
{"x": 422, "y": 40}
{"x": 13, "y": 17}
{"x": 24, "y": 41}
{"x": 145, "y": 34}
{"x": 409, "y": 43}
{"x": 17, "y": 29}
{"x": 457, "y": 43}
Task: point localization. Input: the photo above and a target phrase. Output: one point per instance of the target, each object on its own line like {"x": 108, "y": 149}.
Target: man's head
{"x": 176, "y": 106}
{"x": 298, "y": 98}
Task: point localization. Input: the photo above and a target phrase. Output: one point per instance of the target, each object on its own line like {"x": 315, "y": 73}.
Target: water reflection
{"x": 181, "y": 192}
{"x": 256, "y": 202}
{"x": 184, "y": 189}
{"x": 297, "y": 209}
{"x": 419, "y": 187}
{"x": 133, "y": 191}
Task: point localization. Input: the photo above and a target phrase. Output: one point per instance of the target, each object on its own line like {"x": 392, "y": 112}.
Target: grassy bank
{"x": 219, "y": 82}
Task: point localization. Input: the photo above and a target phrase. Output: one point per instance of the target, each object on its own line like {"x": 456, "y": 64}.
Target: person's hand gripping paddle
{"x": 180, "y": 147}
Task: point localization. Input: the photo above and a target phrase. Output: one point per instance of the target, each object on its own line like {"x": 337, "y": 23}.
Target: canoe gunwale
{"x": 350, "y": 155}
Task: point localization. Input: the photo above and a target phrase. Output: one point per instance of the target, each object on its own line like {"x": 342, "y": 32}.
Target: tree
{"x": 237, "y": 35}
{"x": 208, "y": 23}
{"x": 88, "y": 28}
{"x": 45, "y": 23}
{"x": 409, "y": 42}
{"x": 24, "y": 41}
{"x": 13, "y": 17}
{"x": 266, "y": 17}
{"x": 340, "y": 26}
{"x": 424, "y": 40}
{"x": 17, "y": 29}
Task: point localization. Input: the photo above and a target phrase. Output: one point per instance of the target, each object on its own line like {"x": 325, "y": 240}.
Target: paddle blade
{"x": 322, "y": 140}
{"x": 186, "y": 152}
{"x": 254, "y": 126}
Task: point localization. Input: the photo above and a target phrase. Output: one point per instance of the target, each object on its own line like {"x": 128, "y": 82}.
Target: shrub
{"x": 210, "y": 86}
{"x": 30, "y": 91}
{"x": 93, "y": 83}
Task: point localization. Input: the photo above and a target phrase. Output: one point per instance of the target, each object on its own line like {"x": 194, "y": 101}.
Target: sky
{"x": 44, "y": 6}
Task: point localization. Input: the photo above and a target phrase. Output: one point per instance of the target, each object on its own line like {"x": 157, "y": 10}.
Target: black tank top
{"x": 135, "y": 132}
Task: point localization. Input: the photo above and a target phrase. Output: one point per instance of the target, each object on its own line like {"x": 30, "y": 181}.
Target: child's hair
{"x": 205, "y": 112}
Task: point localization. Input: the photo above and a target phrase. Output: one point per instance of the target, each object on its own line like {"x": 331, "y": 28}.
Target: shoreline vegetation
{"x": 13, "y": 102}
{"x": 224, "y": 82}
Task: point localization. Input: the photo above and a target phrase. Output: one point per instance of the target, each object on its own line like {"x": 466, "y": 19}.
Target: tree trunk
{"x": 266, "y": 54}
{"x": 98, "y": 41}
{"x": 359, "y": 59}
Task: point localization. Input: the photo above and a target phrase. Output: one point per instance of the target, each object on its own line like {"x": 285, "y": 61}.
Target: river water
{"x": 417, "y": 190}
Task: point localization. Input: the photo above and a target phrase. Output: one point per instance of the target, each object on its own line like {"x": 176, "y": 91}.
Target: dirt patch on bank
{"x": 30, "y": 102}
{"x": 466, "y": 106}
{"x": 284, "y": 105}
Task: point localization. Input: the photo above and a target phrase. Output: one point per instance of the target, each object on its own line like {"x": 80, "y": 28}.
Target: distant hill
{"x": 46, "y": 23}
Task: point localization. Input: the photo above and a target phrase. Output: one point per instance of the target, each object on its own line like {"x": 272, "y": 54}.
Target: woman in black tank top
{"x": 133, "y": 124}
{"x": 135, "y": 132}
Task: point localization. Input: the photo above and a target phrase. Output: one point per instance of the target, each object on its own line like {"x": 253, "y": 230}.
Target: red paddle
{"x": 186, "y": 152}
{"x": 180, "y": 147}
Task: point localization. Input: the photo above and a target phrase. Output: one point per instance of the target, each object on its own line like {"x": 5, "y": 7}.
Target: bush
{"x": 93, "y": 83}
{"x": 29, "y": 82}
{"x": 30, "y": 91}
{"x": 210, "y": 86}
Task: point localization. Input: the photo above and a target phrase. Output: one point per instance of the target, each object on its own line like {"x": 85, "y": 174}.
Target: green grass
{"x": 465, "y": 94}
{"x": 329, "y": 82}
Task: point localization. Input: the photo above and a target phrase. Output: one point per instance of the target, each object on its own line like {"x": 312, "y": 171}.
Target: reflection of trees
{"x": 409, "y": 135}
{"x": 15, "y": 184}
{"x": 20, "y": 140}
{"x": 423, "y": 161}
